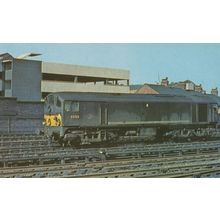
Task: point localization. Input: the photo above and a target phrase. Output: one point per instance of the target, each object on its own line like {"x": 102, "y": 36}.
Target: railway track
{"x": 43, "y": 153}
{"x": 22, "y": 136}
{"x": 177, "y": 166}
{"x": 36, "y": 156}
{"x": 19, "y": 141}
{"x": 211, "y": 172}
{"x": 160, "y": 167}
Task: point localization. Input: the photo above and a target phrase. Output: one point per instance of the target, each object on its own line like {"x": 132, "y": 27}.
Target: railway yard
{"x": 81, "y": 121}
{"x": 36, "y": 156}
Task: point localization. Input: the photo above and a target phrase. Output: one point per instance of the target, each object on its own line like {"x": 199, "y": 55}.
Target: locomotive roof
{"x": 215, "y": 98}
{"x": 193, "y": 95}
{"x": 107, "y": 97}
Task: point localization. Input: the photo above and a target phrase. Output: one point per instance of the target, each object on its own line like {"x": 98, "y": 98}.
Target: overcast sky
{"x": 146, "y": 62}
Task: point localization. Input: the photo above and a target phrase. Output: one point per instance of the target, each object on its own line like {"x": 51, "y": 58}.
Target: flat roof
{"x": 88, "y": 71}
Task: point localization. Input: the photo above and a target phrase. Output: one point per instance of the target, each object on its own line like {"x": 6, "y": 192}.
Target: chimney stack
{"x": 198, "y": 88}
{"x": 214, "y": 91}
{"x": 165, "y": 82}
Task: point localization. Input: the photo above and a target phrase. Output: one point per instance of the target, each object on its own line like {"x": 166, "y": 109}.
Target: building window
{"x": 8, "y": 66}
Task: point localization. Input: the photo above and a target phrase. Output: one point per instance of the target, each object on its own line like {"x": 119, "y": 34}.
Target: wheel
{"x": 62, "y": 143}
{"x": 76, "y": 142}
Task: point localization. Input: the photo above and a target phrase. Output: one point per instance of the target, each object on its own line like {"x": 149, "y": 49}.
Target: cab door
{"x": 213, "y": 112}
{"x": 104, "y": 114}
{"x": 203, "y": 112}
{"x": 71, "y": 113}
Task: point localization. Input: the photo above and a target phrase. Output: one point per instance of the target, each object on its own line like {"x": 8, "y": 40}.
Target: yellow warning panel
{"x": 54, "y": 120}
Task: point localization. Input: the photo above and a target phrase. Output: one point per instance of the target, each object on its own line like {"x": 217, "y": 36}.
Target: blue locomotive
{"x": 76, "y": 118}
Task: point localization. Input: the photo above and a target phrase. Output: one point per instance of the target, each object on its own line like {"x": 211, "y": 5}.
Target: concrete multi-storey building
{"x": 31, "y": 80}
{"x": 20, "y": 78}
{"x": 65, "y": 77}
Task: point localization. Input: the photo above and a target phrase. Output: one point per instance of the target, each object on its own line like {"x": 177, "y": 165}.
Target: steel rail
{"x": 203, "y": 173}
{"x": 50, "y": 153}
{"x": 156, "y": 172}
{"x": 102, "y": 168}
{"x": 127, "y": 149}
{"x": 61, "y": 154}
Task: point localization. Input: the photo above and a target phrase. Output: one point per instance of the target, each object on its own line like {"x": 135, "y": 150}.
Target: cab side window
{"x": 75, "y": 106}
{"x": 71, "y": 106}
{"x": 58, "y": 102}
{"x": 67, "y": 106}
{"x": 49, "y": 104}
{"x": 50, "y": 99}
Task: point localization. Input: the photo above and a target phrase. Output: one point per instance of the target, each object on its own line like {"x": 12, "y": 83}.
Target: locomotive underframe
{"x": 154, "y": 132}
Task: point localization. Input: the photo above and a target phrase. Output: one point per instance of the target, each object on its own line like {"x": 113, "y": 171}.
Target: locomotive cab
{"x": 59, "y": 116}
{"x": 53, "y": 111}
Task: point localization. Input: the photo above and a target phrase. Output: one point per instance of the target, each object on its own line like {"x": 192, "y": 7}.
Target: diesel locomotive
{"x": 77, "y": 118}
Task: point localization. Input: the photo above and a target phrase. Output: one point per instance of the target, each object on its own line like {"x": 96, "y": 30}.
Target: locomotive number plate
{"x": 74, "y": 116}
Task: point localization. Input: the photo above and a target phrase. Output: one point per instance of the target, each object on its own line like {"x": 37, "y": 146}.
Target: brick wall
{"x": 8, "y": 106}
{"x": 18, "y": 117}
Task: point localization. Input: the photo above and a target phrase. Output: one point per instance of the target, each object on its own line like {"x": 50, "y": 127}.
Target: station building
{"x": 32, "y": 80}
